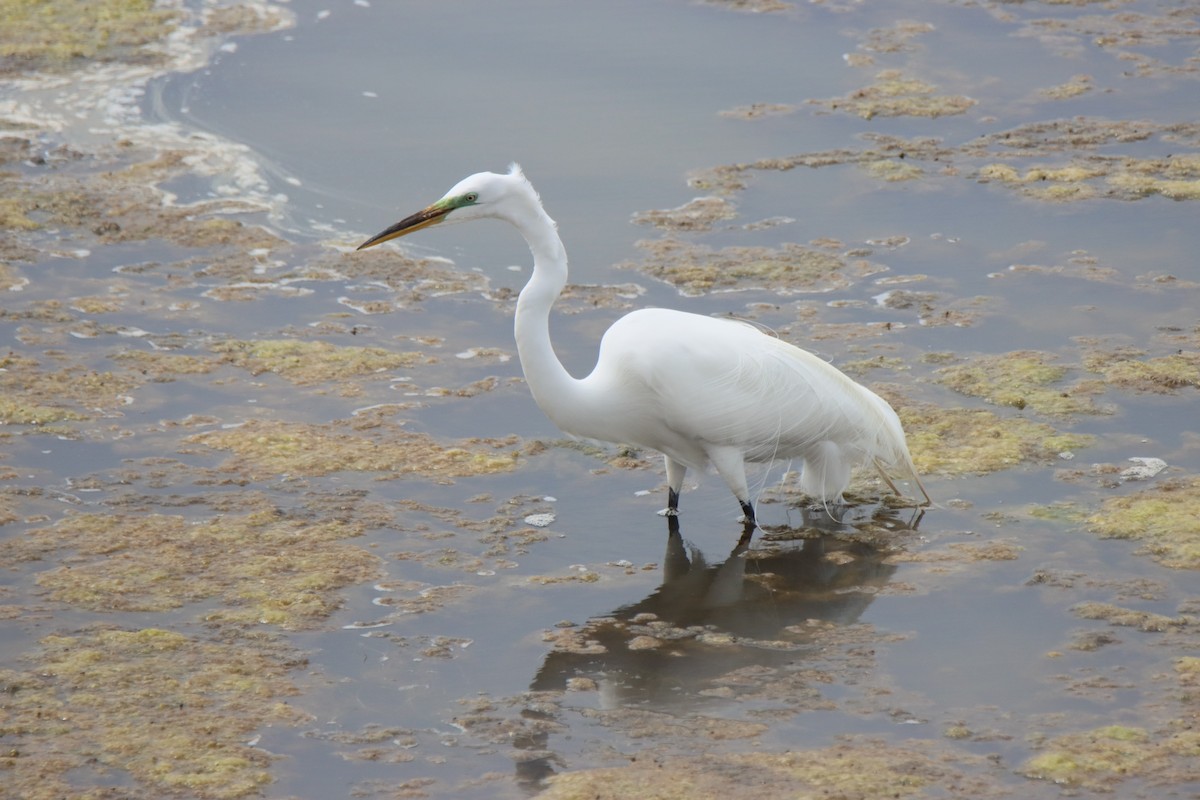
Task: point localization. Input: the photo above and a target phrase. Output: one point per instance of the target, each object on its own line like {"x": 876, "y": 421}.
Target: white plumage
{"x": 698, "y": 389}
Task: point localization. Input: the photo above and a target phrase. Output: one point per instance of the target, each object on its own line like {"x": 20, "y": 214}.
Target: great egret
{"x": 697, "y": 389}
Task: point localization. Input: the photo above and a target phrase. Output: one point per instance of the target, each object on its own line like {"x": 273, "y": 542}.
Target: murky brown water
{"x": 268, "y": 505}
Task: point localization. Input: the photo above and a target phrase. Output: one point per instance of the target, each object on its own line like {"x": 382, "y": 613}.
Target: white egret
{"x": 697, "y": 389}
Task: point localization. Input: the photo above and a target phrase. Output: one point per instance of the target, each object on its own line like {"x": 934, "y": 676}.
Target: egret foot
{"x": 672, "y": 502}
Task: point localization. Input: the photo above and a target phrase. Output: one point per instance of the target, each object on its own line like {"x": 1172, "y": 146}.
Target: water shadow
{"x": 763, "y": 605}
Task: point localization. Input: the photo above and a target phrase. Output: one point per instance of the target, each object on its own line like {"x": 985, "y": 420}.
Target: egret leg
{"x": 731, "y": 466}
{"x": 826, "y": 472}
{"x": 675, "y": 474}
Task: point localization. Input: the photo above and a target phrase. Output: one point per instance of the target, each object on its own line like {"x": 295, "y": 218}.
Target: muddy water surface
{"x": 281, "y": 519}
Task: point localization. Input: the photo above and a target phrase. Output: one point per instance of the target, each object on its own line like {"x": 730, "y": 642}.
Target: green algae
{"x": 695, "y": 269}
{"x": 24, "y": 412}
{"x": 255, "y": 568}
{"x": 171, "y": 711}
{"x": 864, "y": 366}
{"x": 1161, "y": 374}
{"x": 1022, "y": 380}
{"x": 759, "y": 110}
{"x": 304, "y": 362}
{"x": 161, "y": 366}
{"x": 127, "y": 207}
{"x": 961, "y": 552}
{"x": 1128, "y": 618}
{"x": 726, "y": 179}
{"x": 7, "y": 507}
{"x": 849, "y": 771}
{"x": 898, "y": 37}
{"x": 1067, "y": 169}
{"x": 960, "y": 441}
{"x": 753, "y": 6}
{"x": 1174, "y": 177}
{"x": 422, "y": 598}
{"x": 895, "y": 95}
{"x": 10, "y": 281}
{"x": 1141, "y": 180}
{"x": 412, "y": 280}
{"x": 1102, "y": 758}
{"x": 143, "y": 218}
{"x": 892, "y": 170}
{"x": 1069, "y": 174}
{"x": 27, "y": 208}
{"x": 1079, "y": 134}
{"x": 1046, "y": 183}
{"x": 206, "y": 232}
{"x": 58, "y": 34}
{"x": 97, "y": 304}
{"x": 1164, "y": 519}
{"x": 1068, "y": 513}
{"x": 700, "y": 214}
{"x": 243, "y": 18}
{"x": 14, "y": 215}
{"x": 264, "y": 449}
{"x": 424, "y": 282}
{"x": 1188, "y": 670}
{"x": 34, "y": 395}
{"x": 1122, "y": 34}
{"x": 1077, "y": 85}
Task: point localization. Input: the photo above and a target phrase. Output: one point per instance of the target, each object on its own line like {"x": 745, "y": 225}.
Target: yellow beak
{"x": 431, "y": 215}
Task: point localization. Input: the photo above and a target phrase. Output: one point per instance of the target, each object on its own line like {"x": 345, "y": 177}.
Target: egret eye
{"x": 471, "y": 197}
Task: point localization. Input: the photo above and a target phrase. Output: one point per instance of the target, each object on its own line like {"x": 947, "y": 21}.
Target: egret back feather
{"x": 691, "y": 381}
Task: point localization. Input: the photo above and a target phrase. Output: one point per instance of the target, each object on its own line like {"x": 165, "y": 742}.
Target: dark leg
{"x": 675, "y": 474}
{"x": 749, "y": 525}
{"x": 748, "y": 515}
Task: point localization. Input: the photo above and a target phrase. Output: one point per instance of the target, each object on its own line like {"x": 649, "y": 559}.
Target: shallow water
{"x": 462, "y": 651}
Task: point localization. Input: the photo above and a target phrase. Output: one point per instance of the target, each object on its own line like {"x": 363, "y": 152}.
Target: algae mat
{"x": 280, "y": 519}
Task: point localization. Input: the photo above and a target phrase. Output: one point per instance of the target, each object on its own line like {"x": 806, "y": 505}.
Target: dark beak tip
{"x": 378, "y": 238}
{"x": 414, "y": 222}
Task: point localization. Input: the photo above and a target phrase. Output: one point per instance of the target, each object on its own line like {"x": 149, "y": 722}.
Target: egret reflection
{"x": 749, "y": 625}
{"x": 757, "y": 605}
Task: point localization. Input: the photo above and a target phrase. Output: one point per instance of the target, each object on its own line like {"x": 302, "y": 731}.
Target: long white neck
{"x": 555, "y": 391}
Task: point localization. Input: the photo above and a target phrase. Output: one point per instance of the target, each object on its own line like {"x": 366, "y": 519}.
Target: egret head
{"x": 484, "y": 194}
